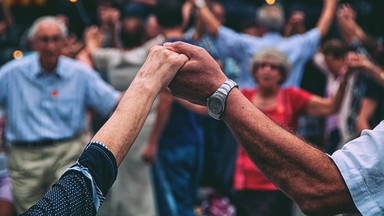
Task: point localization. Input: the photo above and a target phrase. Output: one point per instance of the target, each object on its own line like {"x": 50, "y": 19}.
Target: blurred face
{"x": 49, "y": 43}
{"x": 334, "y": 64}
{"x": 268, "y": 73}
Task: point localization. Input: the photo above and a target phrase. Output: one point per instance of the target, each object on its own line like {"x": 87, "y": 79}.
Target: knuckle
{"x": 155, "y": 48}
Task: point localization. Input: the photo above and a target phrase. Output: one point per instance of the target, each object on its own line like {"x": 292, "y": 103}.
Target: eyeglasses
{"x": 54, "y": 39}
{"x": 272, "y": 66}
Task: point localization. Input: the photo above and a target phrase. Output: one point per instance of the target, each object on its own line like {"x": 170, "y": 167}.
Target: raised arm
{"x": 207, "y": 17}
{"x": 303, "y": 172}
{"x": 346, "y": 20}
{"x": 82, "y": 188}
{"x": 7, "y": 21}
{"x": 360, "y": 61}
{"x": 120, "y": 131}
{"x": 319, "y": 106}
{"x": 326, "y": 16}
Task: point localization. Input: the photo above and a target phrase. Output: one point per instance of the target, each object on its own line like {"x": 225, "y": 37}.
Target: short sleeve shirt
{"x": 361, "y": 163}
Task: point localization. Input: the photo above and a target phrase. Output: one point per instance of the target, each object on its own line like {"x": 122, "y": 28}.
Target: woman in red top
{"x": 270, "y": 68}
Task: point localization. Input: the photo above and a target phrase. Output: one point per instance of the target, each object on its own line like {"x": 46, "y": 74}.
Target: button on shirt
{"x": 299, "y": 49}
{"x": 361, "y": 163}
{"x": 51, "y": 106}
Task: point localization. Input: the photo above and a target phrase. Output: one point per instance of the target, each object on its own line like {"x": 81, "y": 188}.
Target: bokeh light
{"x": 270, "y": 2}
{"x": 73, "y": 1}
{"x": 17, "y": 54}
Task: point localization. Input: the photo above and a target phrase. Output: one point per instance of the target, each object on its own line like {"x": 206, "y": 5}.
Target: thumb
{"x": 183, "y": 48}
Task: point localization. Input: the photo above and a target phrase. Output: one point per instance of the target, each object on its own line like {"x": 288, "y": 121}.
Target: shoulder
{"x": 297, "y": 93}
{"x": 295, "y": 90}
{"x": 20, "y": 63}
{"x": 19, "y": 67}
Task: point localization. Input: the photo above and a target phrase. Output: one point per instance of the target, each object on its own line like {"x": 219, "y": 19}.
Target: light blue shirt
{"x": 41, "y": 106}
{"x": 241, "y": 47}
{"x": 361, "y": 163}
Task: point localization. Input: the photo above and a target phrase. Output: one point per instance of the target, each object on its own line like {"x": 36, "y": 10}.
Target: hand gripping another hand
{"x": 161, "y": 66}
{"x": 199, "y": 77}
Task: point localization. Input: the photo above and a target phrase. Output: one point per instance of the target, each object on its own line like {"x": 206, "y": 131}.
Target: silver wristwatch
{"x": 216, "y": 102}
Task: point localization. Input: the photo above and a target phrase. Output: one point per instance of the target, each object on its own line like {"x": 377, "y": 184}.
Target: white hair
{"x": 33, "y": 29}
{"x": 279, "y": 57}
{"x": 272, "y": 22}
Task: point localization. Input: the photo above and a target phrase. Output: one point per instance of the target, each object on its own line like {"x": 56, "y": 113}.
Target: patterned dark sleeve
{"x": 71, "y": 195}
{"x": 82, "y": 188}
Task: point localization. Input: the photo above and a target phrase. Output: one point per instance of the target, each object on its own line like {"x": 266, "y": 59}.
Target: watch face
{"x": 216, "y": 105}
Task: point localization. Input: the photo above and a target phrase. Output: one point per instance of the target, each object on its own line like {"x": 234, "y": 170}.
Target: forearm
{"x": 115, "y": 38}
{"x": 194, "y": 107}
{"x": 163, "y": 110}
{"x": 367, "y": 110}
{"x": 362, "y": 124}
{"x": 303, "y": 172}
{"x": 337, "y": 99}
{"x": 120, "y": 131}
{"x": 8, "y": 18}
{"x": 376, "y": 72}
{"x": 346, "y": 29}
{"x": 326, "y": 17}
{"x": 210, "y": 21}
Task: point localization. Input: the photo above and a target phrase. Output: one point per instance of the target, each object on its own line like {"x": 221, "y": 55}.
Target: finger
{"x": 183, "y": 58}
{"x": 184, "y": 48}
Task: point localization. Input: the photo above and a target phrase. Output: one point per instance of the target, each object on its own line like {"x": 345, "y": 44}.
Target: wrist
{"x": 148, "y": 87}
{"x": 216, "y": 103}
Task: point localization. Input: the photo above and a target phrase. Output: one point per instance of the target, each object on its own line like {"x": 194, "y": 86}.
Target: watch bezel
{"x": 216, "y": 97}
{"x": 221, "y": 96}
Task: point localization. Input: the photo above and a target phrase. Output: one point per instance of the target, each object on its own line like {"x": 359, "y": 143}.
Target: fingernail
{"x": 167, "y": 44}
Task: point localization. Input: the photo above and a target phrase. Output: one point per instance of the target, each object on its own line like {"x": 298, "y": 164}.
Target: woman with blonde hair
{"x": 284, "y": 105}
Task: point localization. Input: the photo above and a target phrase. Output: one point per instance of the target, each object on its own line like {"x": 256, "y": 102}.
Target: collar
{"x": 38, "y": 71}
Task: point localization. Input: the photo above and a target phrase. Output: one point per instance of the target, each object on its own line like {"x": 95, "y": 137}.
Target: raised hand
{"x": 93, "y": 38}
{"x": 199, "y": 78}
{"x": 161, "y": 66}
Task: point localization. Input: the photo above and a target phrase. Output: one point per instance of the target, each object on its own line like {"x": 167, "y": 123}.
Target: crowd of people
{"x": 61, "y": 87}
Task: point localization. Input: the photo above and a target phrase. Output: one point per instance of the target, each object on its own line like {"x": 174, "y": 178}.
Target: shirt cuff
{"x": 99, "y": 165}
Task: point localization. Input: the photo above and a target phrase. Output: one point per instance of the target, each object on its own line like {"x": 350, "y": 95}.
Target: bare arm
{"x": 163, "y": 111}
{"x": 121, "y": 130}
{"x": 326, "y": 16}
{"x": 319, "y": 106}
{"x": 8, "y": 18}
{"x": 207, "y": 17}
{"x": 303, "y": 172}
{"x": 368, "y": 107}
{"x": 195, "y": 108}
{"x": 348, "y": 27}
{"x": 359, "y": 61}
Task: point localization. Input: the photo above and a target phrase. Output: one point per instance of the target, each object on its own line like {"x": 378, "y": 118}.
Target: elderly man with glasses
{"x": 46, "y": 96}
